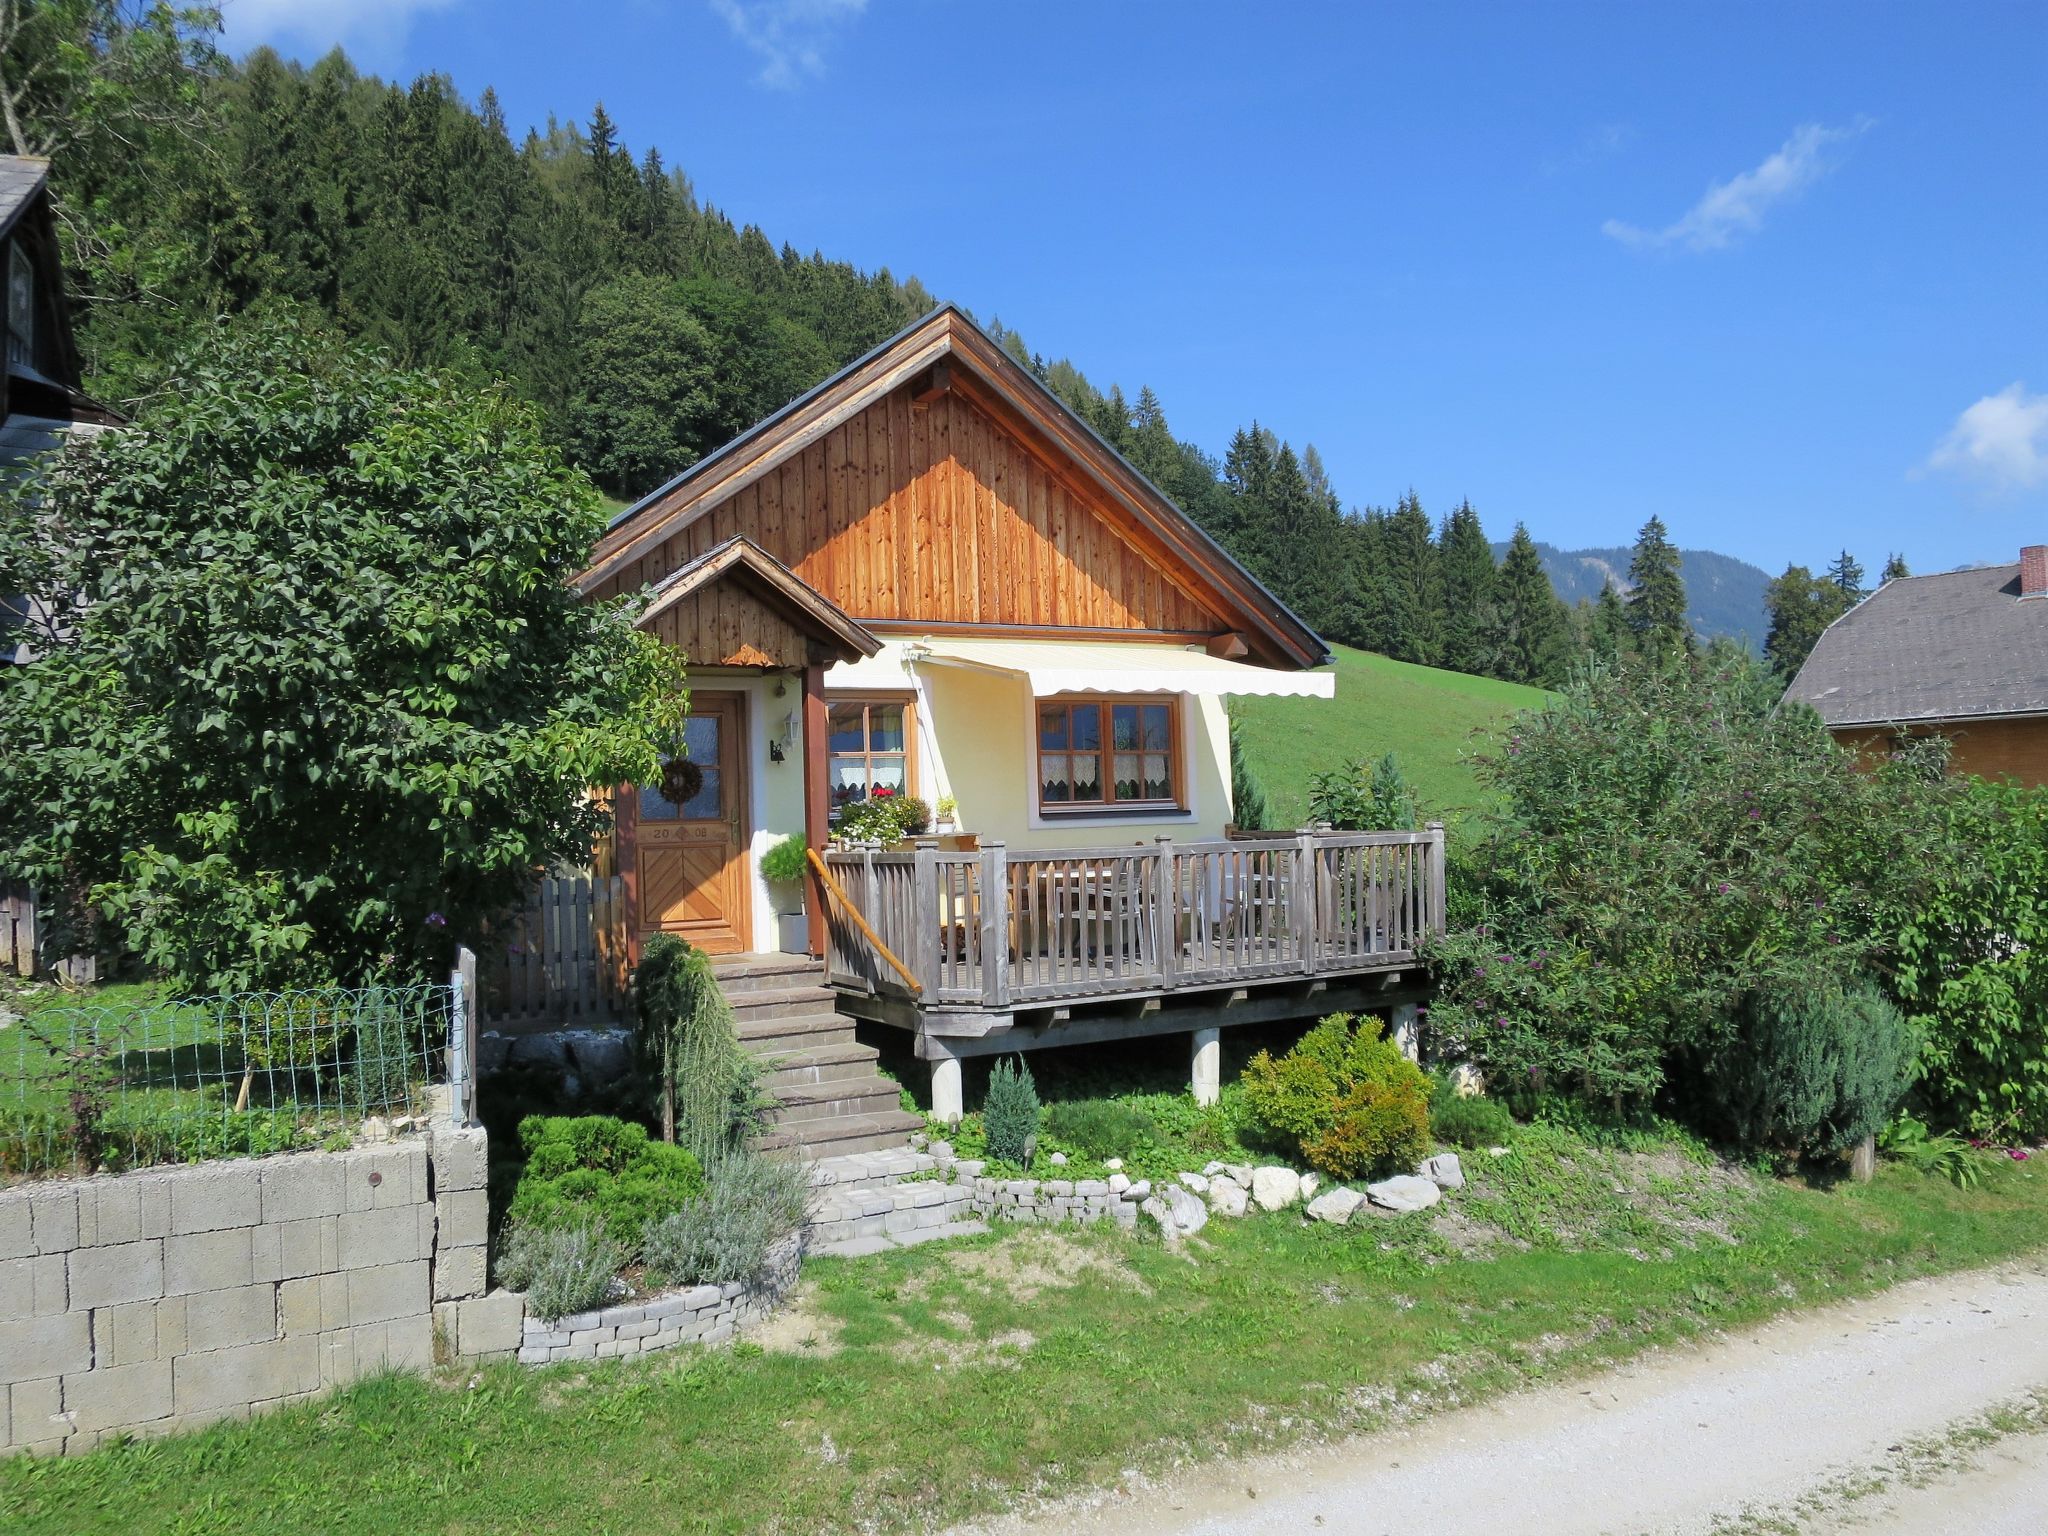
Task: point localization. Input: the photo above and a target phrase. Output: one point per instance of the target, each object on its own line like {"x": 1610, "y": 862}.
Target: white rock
{"x": 1227, "y": 1197}
{"x": 375, "y": 1129}
{"x": 1118, "y": 1183}
{"x": 1496, "y": 1151}
{"x": 1139, "y": 1190}
{"x": 1337, "y": 1205}
{"x": 919, "y": 1142}
{"x": 940, "y": 1149}
{"x": 1444, "y": 1171}
{"x": 1211, "y": 1169}
{"x": 1404, "y": 1192}
{"x": 1189, "y": 1215}
{"x": 1113, "y": 1164}
{"x": 1058, "y": 1159}
{"x": 1242, "y": 1172}
{"x": 1310, "y": 1183}
{"x": 1195, "y": 1182}
{"x": 1274, "y": 1189}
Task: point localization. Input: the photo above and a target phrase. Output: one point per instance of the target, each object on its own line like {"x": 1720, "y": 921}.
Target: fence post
{"x": 462, "y": 1038}
{"x": 995, "y": 927}
{"x": 1433, "y": 922}
{"x": 1166, "y": 904}
{"x": 927, "y": 945}
{"x": 1301, "y": 899}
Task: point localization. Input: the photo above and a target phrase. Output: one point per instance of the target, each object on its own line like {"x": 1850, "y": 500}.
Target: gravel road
{"x": 1746, "y": 1429}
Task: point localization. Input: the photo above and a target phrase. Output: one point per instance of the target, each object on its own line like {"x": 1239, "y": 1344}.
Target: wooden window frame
{"x": 907, "y": 702}
{"x": 1176, "y": 762}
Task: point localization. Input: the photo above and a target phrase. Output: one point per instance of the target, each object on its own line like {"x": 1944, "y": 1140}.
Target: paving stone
{"x": 857, "y": 1247}
{"x": 106, "y": 1277}
{"x": 490, "y": 1325}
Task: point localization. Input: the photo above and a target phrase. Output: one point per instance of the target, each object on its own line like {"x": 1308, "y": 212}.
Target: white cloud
{"x": 2002, "y": 439}
{"x": 318, "y": 25}
{"x": 1736, "y": 207}
{"x": 789, "y": 35}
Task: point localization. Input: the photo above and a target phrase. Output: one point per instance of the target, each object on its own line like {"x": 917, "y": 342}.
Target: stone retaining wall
{"x": 702, "y": 1314}
{"x": 161, "y": 1300}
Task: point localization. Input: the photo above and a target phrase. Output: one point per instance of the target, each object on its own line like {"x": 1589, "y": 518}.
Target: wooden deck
{"x": 978, "y": 943}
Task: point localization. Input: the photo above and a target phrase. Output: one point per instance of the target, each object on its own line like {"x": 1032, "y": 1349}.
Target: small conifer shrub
{"x": 1009, "y": 1115}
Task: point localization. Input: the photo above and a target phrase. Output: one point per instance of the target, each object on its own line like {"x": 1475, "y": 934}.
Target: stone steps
{"x": 830, "y": 1098}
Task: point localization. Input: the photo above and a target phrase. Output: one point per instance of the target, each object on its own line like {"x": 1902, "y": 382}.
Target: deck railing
{"x": 991, "y": 929}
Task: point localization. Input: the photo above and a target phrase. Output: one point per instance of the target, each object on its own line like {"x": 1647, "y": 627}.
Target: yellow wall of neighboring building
{"x": 1992, "y": 749}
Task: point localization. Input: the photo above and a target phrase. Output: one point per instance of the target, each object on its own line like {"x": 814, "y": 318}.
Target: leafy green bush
{"x": 749, "y": 1203}
{"x": 1099, "y": 1127}
{"x": 1971, "y": 968}
{"x": 1908, "y": 1140}
{"x": 1345, "y": 1097}
{"x": 563, "y": 1269}
{"x": 1670, "y": 838}
{"x": 593, "y": 1167}
{"x": 1813, "y": 1068}
{"x": 787, "y": 861}
{"x": 1472, "y": 1121}
{"x": 299, "y": 1031}
{"x": 1358, "y": 798}
{"x": 706, "y": 1086}
{"x": 1009, "y": 1115}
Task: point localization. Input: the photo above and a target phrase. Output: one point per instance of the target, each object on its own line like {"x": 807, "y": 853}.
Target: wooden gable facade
{"x": 937, "y": 486}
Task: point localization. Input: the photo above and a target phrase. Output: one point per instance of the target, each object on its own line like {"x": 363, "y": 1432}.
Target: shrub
{"x": 788, "y": 861}
{"x": 593, "y": 1167}
{"x": 1814, "y": 1068}
{"x": 1099, "y": 1127}
{"x": 1358, "y": 798}
{"x": 562, "y": 1269}
{"x": 1971, "y": 967}
{"x": 1345, "y": 1096}
{"x": 1470, "y": 1121}
{"x": 707, "y": 1088}
{"x": 1009, "y": 1115}
{"x": 1665, "y": 831}
{"x": 883, "y": 817}
{"x": 294, "y": 1032}
{"x": 725, "y": 1233}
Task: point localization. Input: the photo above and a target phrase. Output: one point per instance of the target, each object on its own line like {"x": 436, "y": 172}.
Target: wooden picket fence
{"x": 21, "y": 942}
{"x": 565, "y": 960}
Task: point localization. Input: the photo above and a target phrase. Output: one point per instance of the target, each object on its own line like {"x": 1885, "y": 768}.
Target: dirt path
{"x": 1797, "y": 1426}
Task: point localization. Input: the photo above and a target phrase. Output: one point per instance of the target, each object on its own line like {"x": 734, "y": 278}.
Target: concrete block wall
{"x": 146, "y": 1302}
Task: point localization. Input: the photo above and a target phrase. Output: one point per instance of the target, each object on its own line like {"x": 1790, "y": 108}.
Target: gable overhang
{"x": 992, "y": 380}
{"x": 749, "y": 566}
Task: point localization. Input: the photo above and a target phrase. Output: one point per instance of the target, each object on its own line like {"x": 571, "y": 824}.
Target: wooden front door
{"x": 690, "y": 860}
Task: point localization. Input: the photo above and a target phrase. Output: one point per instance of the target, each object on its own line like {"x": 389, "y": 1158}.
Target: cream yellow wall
{"x": 977, "y": 742}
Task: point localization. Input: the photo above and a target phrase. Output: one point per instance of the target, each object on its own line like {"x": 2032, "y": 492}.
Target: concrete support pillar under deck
{"x": 1404, "y": 1026}
{"x": 1207, "y": 1071}
{"x": 949, "y": 1102}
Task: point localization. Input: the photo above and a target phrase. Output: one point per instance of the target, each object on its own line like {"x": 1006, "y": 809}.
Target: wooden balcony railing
{"x": 993, "y": 930}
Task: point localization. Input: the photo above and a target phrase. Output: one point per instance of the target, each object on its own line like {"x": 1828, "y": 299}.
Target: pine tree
{"x": 1466, "y": 571}
{"x": 1845, "y": 572}
{"x": 1248, "y": 810}
{"x": 1656, "y": 601}
{"x": 1410, "y": 587}
{"x": 1531, "y": 631}
{"x": 1894, "y": 569}
{"x": 1604, "y": 622}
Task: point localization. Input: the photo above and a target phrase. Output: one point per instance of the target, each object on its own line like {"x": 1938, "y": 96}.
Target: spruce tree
{"x": 1531, "y": 639}
{"x": 1410, "y": 586}
{"x": 1894, "y": 569}
{"x": 1465, "y": 570}
{"x": 1800, "y": 606}
{"x": 1656, "y": 601}
{"x": 1846, "y": 573}
{"x": 1605, "y": 623}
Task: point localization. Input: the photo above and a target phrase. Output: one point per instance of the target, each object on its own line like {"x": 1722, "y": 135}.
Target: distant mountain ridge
{"x": 1724, "y": 596}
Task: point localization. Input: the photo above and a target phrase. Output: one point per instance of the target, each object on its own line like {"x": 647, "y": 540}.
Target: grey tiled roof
{"x": 20, "y": 179}
{"x": 1957, "y": 646}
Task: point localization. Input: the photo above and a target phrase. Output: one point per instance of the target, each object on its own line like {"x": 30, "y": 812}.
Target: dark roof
{"x": 21, "y": 178}
{"x": 1958, "y": 646}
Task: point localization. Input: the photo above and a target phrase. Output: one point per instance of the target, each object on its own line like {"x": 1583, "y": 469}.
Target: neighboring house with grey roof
{"x": 1963, "y": 655}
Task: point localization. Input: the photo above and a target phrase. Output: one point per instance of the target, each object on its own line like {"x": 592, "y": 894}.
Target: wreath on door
{"x": 680, "y": 780}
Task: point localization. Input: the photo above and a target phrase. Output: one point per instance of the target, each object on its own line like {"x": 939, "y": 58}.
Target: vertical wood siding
{"x": 938, "y": 513}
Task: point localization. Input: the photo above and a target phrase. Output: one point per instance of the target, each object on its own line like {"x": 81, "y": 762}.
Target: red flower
{"x": 883, "y": 791}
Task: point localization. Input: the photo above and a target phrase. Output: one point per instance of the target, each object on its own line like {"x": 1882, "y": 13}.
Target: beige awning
{"x": 1109, "y": 667}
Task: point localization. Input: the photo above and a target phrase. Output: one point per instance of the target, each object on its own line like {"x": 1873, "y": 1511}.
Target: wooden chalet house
{"x": 929, "y": 576}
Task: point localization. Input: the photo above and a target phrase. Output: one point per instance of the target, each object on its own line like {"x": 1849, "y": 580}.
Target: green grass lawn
{"x": 921, "y": 1386}
{"x": 1431, "y": 719}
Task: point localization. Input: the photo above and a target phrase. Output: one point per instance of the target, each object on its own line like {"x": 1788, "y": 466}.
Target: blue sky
{"x": 1778, "y": 274}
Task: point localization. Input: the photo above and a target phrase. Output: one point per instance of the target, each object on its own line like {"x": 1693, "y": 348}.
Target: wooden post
{"x": 462, "y": 1039}
{"x": 926, "y": 944}
{"x": 1863, "y": 1161}
{"x": 1433, "y": 920}
{"x": 1166, "y": 905}
{"x": 995, "y": 928}
{"x": 817, "y": 802}
{"x": 1301, "y": 915}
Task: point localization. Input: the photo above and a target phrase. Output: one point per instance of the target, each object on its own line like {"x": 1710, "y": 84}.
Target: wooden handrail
{"x": 832, "y": 887}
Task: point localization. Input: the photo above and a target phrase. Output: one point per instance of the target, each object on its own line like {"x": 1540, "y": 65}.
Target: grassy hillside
{"x": 1431, "y": 719}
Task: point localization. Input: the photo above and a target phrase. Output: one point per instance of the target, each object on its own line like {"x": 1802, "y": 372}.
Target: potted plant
{"x": 948, "y": 815}
{"x": 783, "y": 866}
{"x": 884, "y": 817}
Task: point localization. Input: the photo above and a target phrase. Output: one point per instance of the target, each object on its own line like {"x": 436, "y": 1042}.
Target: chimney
{"x": 2034, "y": 571}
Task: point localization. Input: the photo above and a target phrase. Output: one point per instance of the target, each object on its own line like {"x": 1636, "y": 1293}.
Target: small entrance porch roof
{"x": 740, "y": 561}
{"x": 1056, "y": 667}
